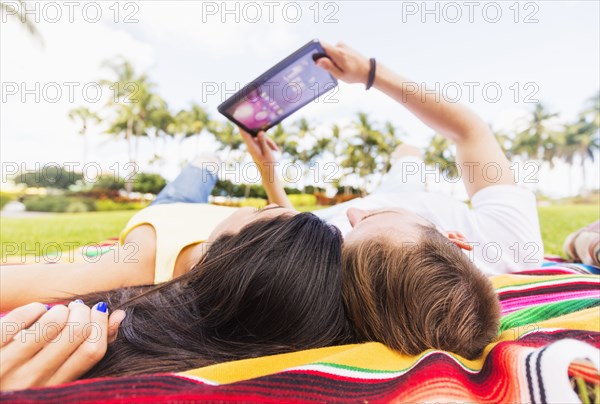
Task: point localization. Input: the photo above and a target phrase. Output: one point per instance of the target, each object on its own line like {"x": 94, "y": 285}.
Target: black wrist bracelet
{"x": 371, "y": 78}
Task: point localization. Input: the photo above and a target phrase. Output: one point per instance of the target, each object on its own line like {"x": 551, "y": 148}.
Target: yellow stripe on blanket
{"x": 377, "y": 358}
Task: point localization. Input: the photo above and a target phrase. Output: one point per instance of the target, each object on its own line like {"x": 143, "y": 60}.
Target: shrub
{"x": 5, "y": 198}
{"x": 109, "y": 183}
{"x": 311, "y": 189}
{"x": 253, "y": 202}
{"x": 228, "y": 188}
{"x": 293, "y": 191}
{"x": 76, "y": 207}
{"x": 303, "y": 200}
{"x": 106, "y": 205}
{"x": 51, "y": 176}
{"x": 148, "y": 183}
{"x": 57, "y": 203}
{"x": 348, "y": 191}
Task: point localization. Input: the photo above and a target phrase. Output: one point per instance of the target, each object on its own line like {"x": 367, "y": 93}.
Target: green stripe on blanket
{"x": 544, "y": 312}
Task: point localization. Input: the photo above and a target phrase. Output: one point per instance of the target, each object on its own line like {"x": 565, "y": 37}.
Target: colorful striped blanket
{"x": 547, "y": 351}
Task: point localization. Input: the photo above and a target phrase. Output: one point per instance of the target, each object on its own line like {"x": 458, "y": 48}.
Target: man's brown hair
{"x": 419, "y": 296}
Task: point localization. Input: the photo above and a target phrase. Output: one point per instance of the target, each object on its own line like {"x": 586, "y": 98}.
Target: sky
{"x": 497, "y": 57}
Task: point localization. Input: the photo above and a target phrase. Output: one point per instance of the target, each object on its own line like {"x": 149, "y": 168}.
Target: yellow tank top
{"x": 177, "y": 225}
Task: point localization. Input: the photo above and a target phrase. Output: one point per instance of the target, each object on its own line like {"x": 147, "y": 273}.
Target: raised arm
{"x": 261, "y": 149}
{"x": 482, "y": 161}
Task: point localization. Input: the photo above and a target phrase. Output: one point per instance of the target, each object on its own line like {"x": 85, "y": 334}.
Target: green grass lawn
{"x": 44, "y": 234}
{"x": 558, "y": 221}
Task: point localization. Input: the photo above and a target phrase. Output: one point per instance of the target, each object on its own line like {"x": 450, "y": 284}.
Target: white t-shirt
{"x": 502, "y": 225}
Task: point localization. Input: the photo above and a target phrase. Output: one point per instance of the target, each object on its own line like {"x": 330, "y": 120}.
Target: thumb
{"x": 327, "y": 64}
{"x": 272, "y": 144}
{"x": 262, "y": 141}
{"x": 114, "y": 321}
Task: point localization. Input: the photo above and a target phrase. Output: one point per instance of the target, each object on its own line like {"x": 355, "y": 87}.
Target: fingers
{"x": 262, "y": 141}
{"x": 272, "y": 144}
{"x": 251, "y": 142}
{"x": 42, "y": 367}
{"x": 328, "y": 65}
{"x": 27, "y": 343}
{"x": 244, "y": 133}
{"x": 246, "y": 136}
{"x": 334, "y": 52}
{"x": 267, "y": 145}
{"x": 345, "y": 64}
{"x": 89, "y": 352}
{"x": 75, "y": 333}
{"x": 114, "y": 321}
{"x": 59, "y": 347}
{"x": 19, "y": 319}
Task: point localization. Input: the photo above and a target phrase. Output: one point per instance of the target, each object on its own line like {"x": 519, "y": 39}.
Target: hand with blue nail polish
{"x": 49, "y": 355}
{"x": 101, "y": 306}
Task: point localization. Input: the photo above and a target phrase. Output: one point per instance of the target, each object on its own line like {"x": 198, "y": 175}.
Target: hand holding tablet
{"x": 281, "y": 91}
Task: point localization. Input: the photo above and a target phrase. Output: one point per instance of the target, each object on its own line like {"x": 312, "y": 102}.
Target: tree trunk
{"x": 128, "y": 136}
{"x": 154, "y": 160}
{"x": 136, "y": 148}
{"x": 162, "y": 161}
{"x": 571, "y": 179}
{"x": 155, "y": 143}
{"x": 583, "y": 176}
{"x": 85, "y": 147}
{"x": 179, "y": 158}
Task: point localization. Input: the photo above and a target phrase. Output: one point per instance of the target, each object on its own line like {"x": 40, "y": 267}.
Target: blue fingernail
{"x": 101, "y": 307}
{"x": 78, "y": 301}
{"x": 47, "y": 306}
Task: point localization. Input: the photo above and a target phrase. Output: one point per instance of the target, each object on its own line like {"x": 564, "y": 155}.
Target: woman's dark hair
{"x": 274, "y": 287}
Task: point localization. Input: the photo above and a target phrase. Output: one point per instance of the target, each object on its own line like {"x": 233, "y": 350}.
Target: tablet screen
{"x": 282, "y": 90}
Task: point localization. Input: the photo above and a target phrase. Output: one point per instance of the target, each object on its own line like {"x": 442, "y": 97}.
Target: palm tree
{"x": 132, "y": 102}
{"x": 285, "y": 140}
{"x": 363, "y": 149}
{"x": 592, "y": 112}
{"x": 303, "y": 128}
{"x": 506, "y": 141}
{"x": 161, "y": 120}
{"x": 85, "y": 116}
{"x": 536, "y": 141}
{"x": 439, "y": 155}
{"x": 333, "y": 148}
{"x": 579, "y": 140}
{"x": 308, "y": 154}
{"x": 10, "y": 9}
{"x": 229, "y": 138}
{"x": 393, "y": 135}
{"x": 194, "y": 121}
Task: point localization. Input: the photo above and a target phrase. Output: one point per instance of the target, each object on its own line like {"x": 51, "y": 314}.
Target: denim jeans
{"x": 192, "y": 185}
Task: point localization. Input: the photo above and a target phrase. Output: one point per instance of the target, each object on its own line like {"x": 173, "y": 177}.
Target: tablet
{"x": 281, "y": 91}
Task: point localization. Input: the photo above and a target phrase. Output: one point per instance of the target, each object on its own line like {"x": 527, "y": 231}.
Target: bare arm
{"x": 261, "y": 149}
{"x": 482, "y": 161}
{"x": 127, "y": 265}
